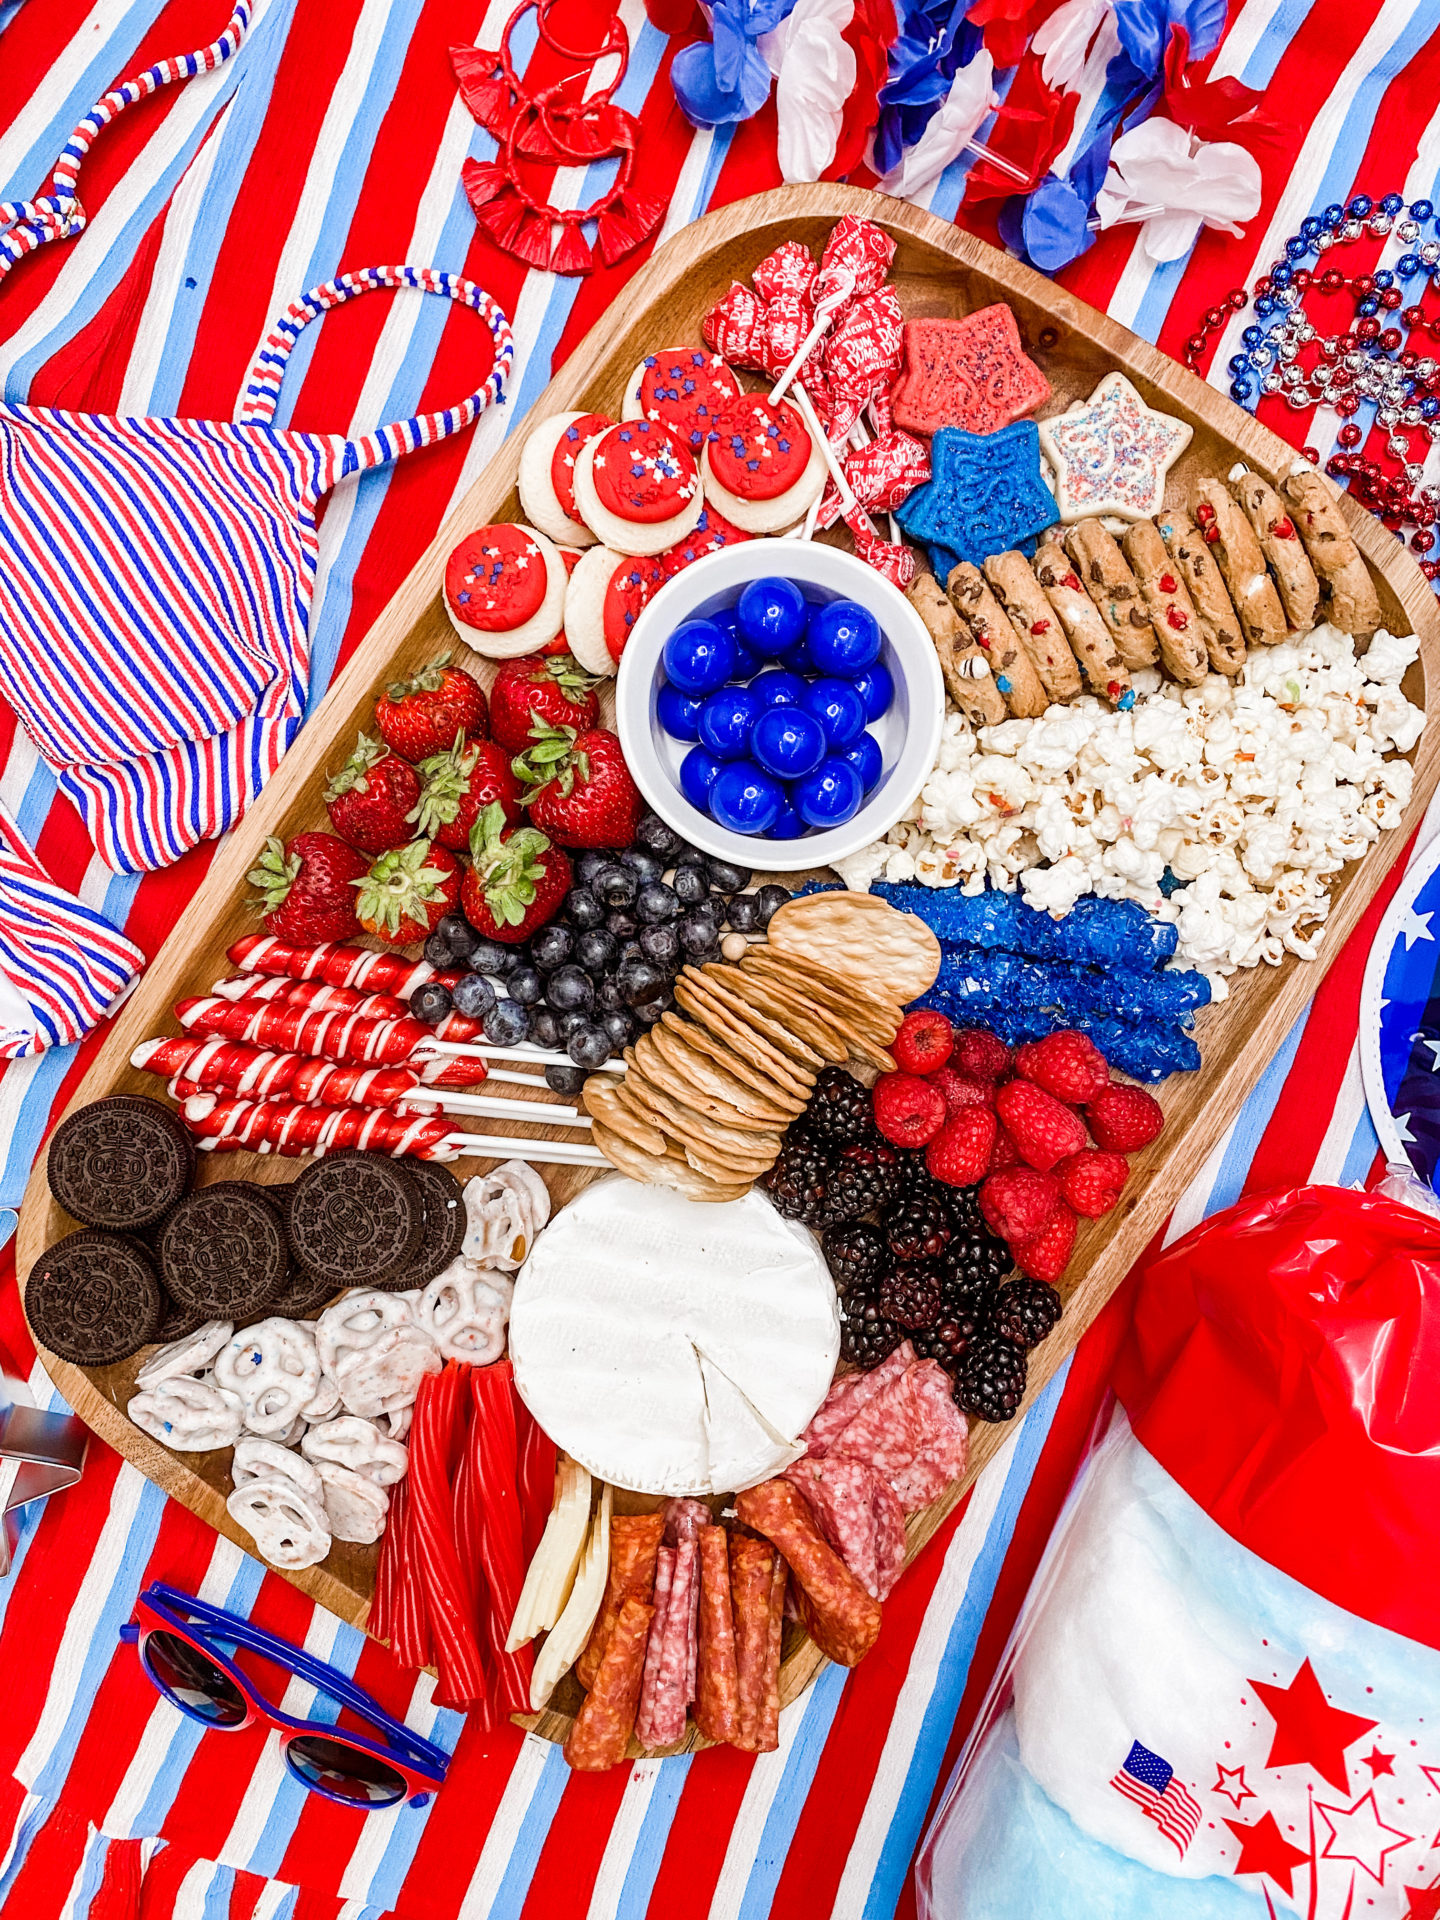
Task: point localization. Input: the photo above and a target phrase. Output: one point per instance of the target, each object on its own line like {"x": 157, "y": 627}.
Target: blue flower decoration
{"x": 727, "y": 80}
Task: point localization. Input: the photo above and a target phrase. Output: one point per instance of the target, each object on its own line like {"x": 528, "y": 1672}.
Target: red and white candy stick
{"x": 358, "y": 1039}
{"x": 331, "y": 961}
{"x": 294, "y": 1129}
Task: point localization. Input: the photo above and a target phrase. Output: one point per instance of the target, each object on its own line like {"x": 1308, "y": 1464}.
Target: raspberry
{"x": 1017, "y": 1201}
{"x": 1123, "y": 1118}
{"x": 1044, "y": 1255}
{"x": 960, "y": 1153}
{"x": 981, "y": 1053}
{"x": 1091, "y": 1181}
{"x": 908, "y": 1110}
{"x": 1042, "y": 1127}
{"x": 962, "y": 1089}
{"x": 1006, "y": 1153}
{"x": 1066, "y": 1064}
{"x": 923, "y": 1042}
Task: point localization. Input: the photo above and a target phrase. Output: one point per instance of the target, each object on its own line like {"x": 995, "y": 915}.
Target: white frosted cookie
{"x": 608, "y": 590}
{"x": 763, "y": 470}
{"x": 547, "y": 475}
{"x": 505, "y": 590}
{"x": 637, "y": 488}
{"x": 685, "y": 388}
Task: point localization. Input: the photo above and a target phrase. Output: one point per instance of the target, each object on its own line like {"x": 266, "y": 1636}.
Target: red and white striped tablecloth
{"x": 333, "y": 141}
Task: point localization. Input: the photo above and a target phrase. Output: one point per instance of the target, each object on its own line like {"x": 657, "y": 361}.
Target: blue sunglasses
{"x": 174, "y": 1634}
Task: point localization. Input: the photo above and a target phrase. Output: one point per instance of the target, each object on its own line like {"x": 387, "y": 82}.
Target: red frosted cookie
{"x": 547, "y": 474}
{"x": 971, "y": 373}
{"x": 712, "y": 532}
{"x": 637, "y": 487}
{"x": 607, "y": 595}
{"x": 505, "y": 590}
{"x": 684, "y": 388}
{"x": 763, "y": 469}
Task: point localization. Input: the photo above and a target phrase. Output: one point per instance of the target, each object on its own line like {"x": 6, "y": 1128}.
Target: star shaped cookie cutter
{"x": 40, "y": 1454}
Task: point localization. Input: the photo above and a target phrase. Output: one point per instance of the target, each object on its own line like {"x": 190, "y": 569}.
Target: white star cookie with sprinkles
{"x": 637, "y": 487}
{"x": 547, "y": 475}
{"x": 608, "y": 591}
{"x": 505, "y": 590}
{"x": 685, "y": 388}
{"x": 763, "y": 469}
{"x": 1111, "y": 453}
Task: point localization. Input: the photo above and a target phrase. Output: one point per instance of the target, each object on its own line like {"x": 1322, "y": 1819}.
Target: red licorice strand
{"x": 381, "y": 1619}
{"x": 459, "y": 1662}
{"x": 493, "y": 1460}
{"x": 410, "y": 1641}
{"x": 469, "y": 1497}
{"x": 536, "y": 1478}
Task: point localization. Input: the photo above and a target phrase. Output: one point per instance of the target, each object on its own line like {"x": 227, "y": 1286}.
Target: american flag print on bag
{"x": 1150, "y": 1782}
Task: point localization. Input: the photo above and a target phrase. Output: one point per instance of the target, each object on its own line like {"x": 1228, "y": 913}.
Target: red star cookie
{"x": 763, "y": 469}
{"x": 971, "y": 373}
{"x": 547, "y": 474}
{"x": 684, "y": 388}
{"x": 505, "y": 590}
{"x": 637, "y": 488}
{"x": 712, "y": 532}
{"x": 607, "y": 595}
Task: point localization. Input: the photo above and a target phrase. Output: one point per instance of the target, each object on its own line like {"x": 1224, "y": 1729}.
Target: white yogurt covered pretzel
{"x": 289, "y": 1527}
{"x": 395, "y": 1424}
{"x": 357, "y": 1322}
{"x": 257, "y": 1459}
{"x": 466, "y": 1310}
{"x": 321, "y": 1407}
{"x": 355, "y": 1505}
{"x": 191, "y": 1353}
{"x": 505, "y": 1209}
{"x": 192, "y": 1416}
{"x": 274, "y": 1368}
{"x": 383, "y": 1377}
{"x": 359, "y": 1445}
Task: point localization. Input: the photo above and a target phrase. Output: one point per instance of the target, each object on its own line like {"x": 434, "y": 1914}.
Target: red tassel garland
{"x": 482, "y": 180}
{"x": 502, "y": 217}
{"x": 622, "y": 226}
{"x": 573, "y": 252}
{"x": 532, "y": 241}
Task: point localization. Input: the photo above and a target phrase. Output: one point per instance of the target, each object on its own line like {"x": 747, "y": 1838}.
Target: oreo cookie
{"x": 94, "y": 1298}
{"x": 354, "y": 1218}
{"x": 304, "y": 1295}
{"x": 176, "y": 1321}
{"x": 222, "y": 1250}
{"x": 122, "y": 1163}
{"x": 443, "y": 1201}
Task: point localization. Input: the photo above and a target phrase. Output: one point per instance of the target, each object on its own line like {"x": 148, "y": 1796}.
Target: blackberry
{"x": 992, "y": 1379}
{"x": 866, "y": 1336}
{"x": 1024, "y": 1312}
{"x": 973, "y": 1265}
{"x": 863, "y": 1180}
{"x": 911, "y": 1297}
{"x": 799, "y": 1181}
{"x": 839, "y": 1110}
{"x": 964, "y": 1205}
{"x": 948, "y": 1341}
{"x": 918, "y": 1229}
{"x": 856, "y": 1253}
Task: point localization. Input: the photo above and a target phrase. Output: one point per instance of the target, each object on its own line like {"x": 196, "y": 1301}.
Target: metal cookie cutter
{"x": 40, "y": 1454}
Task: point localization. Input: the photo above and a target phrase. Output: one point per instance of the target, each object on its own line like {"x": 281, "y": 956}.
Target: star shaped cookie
{"x": 985, "y": 495}
{"x": 1111, "y": 453}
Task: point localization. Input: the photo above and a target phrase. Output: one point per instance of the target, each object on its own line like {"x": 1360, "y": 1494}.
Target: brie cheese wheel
{"x": 673, "y": 1347}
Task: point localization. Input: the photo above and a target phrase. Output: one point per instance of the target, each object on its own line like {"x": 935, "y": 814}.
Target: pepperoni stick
{"x": 770, "y": 1703}
{"x": 603, "y": 1726}
{"x": 752, "y": 1578}
{"x": 840, "y": 1616}
{"x": 331, "y": 961}
{"x": 717, "y": 1690}
{"x": 634, "y": 1547}
{"x": 294, "y": 1129}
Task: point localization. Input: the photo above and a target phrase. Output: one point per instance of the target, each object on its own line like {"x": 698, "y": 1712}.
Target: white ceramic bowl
{"x": 908, "y": 735}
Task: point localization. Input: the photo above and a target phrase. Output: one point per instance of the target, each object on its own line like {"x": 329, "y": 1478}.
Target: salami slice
{"x": 717, "y": 1691}
{"x": 603, "y": 1726}
{"x": 848, "y": 1395}
{"x": 911, "y": 1433}
{"x": 860, "y": 1516}
{"x": 752, "y": 1580}
{"x": 683, "y": 1520}
{"x": 840, "y": 1616}
{"x": 770, "y": 1698}
{"x": 634, "y": 1543}
{"x": 664, "y": 1722}
{"x": 655, "y": 1648}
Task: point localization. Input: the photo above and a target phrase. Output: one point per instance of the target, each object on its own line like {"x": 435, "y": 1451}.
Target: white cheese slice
{"x": 673, "y": 1347}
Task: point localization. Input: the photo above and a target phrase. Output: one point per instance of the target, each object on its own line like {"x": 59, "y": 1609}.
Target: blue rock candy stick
{"x": 1149, "y": 1052}
{"x": 1070, "y": 991}
{"x": 1102, "y": 933}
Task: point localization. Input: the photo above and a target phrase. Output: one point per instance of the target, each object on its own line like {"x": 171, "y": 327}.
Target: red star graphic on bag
{"x": 1264, "y": 1849}
{"x": 1308, "y": 1730}
{"x": 1356, "y": 1834}
{"x": 1231, "y": 1782}
{"x": 1424, "y": 1903}
{"x": 1378, "y": 1762}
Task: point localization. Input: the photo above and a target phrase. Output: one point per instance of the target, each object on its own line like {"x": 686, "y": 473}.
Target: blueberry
{"x": 777, "y": 688}
{"x": 658, "y": 836}
{"x": 843, "y": 638}
{"x": 653, "y": 1009}
{"x": 726, "y": 720}
{"x": 527, "y": 985}
{"x": 619, "y": 1028}
{"x": 488, "y": 956}
{"x": 788, "y": 742}
{"x": 589, "y": 863}
{"x": 545, "y": 1027}
{"x": 744, "y": 798}
{"x": 744, "y": 913}
{"x": 840, "y": 711}
{"x": 725, "y": 875}
{"x": 582, "y": 909}
{"x": 571, "y": 1022}
{"x": 866, "y": 759}
{"x": 678, "y": 713}
{"x": 771, "y": 614}
{"x": 644, "y": 864}
{"x": 450, "y": 941}
{"x": 564, "y": 1079}
{"x": 570, "y": 988}
{"x": 661, "y": 946}
{"x": 632, "y": 950}
{"x": 507, "y": 1024}
{"x": 639, "y": 981}
{"x": 656, "y": 903}
{"x": 699, "y": 657}
{"x": 830, "y": 796}
{"x": 589, "y": 1047}
{"x": 623, "y": 925}
{"x": 431, "y": 1002}
{"x": 608, "y": 995}
{"x": 552, "y": 946}
{"x": 595, "y": 951}
{"x": 697, "y": 934}
{"x": 707, "y": 955}
{"x": 692, "y": 882}
{"x": 769, "y": 900}
{"x": 615, "y": 885}
{"x": 697, "y": 775}
{"x": 473, "y": 995}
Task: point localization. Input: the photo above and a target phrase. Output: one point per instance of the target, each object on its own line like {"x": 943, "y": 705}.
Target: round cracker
{"x": 717, "y": 980}
{"x": 721, "y": 1020}
{"x": 699, "y": 1039}
{"x": 693, "y": 1128}
{"x": 858, "y": 936}
{"x": 714, "y": 1169}
{"x": 810, "y": 1022}
{"x": 664, "y": 1172}
{"x": 700, "y": 1071}
{"x": 879, "y": 1018}
{"x": 605, "y": 1101}
{"x": 662, "y": 1073}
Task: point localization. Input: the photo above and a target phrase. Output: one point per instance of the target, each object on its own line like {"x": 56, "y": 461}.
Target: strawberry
{"x": 581, "y": 792}
{"x": 1006, "y": 1153}
{"x": 535, "y": 690}
{"x": 1017, "y": 1201}
{"x": 908, "y": 1110}
{"x": 406, "y": 891}
{"x": 1092, "y": 1180}
{"x": 1066, "y": 1064}
{"x": 961, "y": 1089}
{"x": 923, "y": 1042}
{"x": 981, "y": 1054}
{"x": 369, "y": 800}
{"x": 518, "y": 879}
{"x": 459, "y": 785}
{"x": 1045, "y": 1254}
{"x": 1042, "y": 1127}
{"x": 1123, "y": 1119}
{"x": 960, "y": 1153}
{"x": 421, "y": 716}
{"x": 305, "y": 888}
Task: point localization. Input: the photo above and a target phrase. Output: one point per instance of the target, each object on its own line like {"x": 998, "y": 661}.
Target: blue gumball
{"x": 699, "y": 657}
{"x": 726, "y": 720}
{"x": 797, "y": 659}
{"x": 747, "y": 662}
{"x": 788, "y": 742}
{"x": 876, "y": 688}
{"x": 698, "y": 773}
{"x": 844, "y": 638}
{"x": 777, "y": 688}
{"x": 744, "y": 799}
{"x": 864, "y": 756}
{"x": 678, "y": 714}
{"x": 830, "y": 796}
{"x": 787, "y": 824}
{"x": 838, "y": 708}
{"x": 771, "y": 613}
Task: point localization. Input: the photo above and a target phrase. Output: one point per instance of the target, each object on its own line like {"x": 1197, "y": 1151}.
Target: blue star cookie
{"x": 985, "y": 494}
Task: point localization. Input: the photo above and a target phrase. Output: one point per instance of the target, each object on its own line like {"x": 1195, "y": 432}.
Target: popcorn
{"x": 1253, "y": 793}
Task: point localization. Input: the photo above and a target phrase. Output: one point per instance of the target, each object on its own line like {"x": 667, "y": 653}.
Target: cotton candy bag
{"x": 1223, "y": 1695}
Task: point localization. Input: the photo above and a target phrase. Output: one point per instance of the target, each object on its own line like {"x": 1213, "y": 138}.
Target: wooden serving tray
{"x": 938, "y": 270}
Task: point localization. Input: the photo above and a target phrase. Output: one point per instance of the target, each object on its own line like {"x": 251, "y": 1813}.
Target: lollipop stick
{"x": 837, "y": 472}
{"x": 543, "y": 1113}
{"x": 490, "y": 1146}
